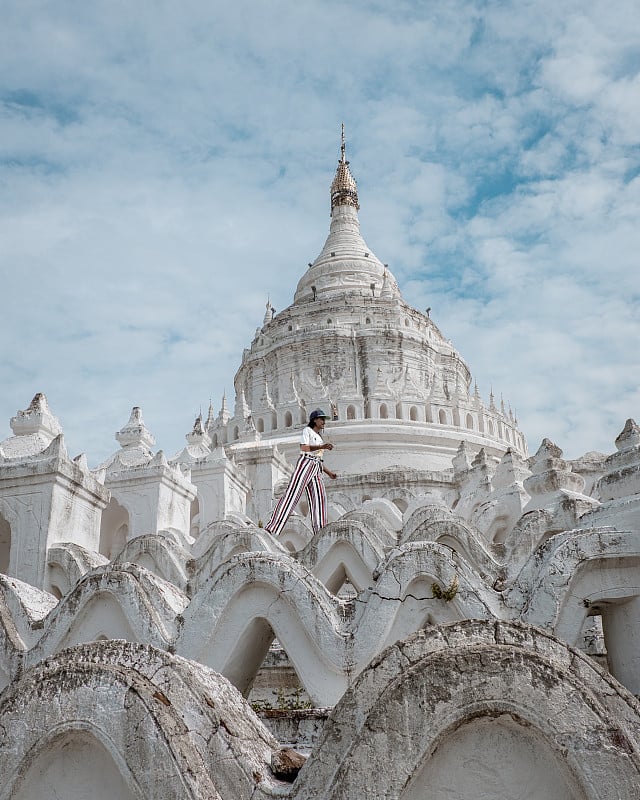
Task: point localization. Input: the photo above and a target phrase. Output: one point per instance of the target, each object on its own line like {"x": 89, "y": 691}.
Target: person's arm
{"x": 328, "y": 472}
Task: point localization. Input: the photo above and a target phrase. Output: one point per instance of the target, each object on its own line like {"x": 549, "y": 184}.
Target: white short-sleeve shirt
{"x": 309, "y": 436}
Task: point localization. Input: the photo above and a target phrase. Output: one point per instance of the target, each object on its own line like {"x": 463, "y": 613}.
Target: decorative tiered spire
{"x": 198, "y": 438}
{"x": 37, "y": 419}
{"x": 242, "y": 410}
{"x": 197, "y": 425}
{"x": 387, "y": 291}
{"x": 35, "y": 429}
{"x": 210, "y": 417}
{"x": 346, "y": 261}
{"x": 344, "y": 190}
{"x": 268, "y": 316}
{"x": 224, "y": 415}
{"x": 135, "y": 433}
{"x": 629, "y": 436}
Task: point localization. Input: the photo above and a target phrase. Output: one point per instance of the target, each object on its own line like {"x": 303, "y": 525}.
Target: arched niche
{"x": 338, "y": 578}
{"x": 102, "y": 616}
{"x": 164, "y": 723}
{"x": 147, "y": 560}
{"x": 5, "y": 544}
{"x": 250, "y": 666}
{"x": 622, "y": 640}
{"x": 499, "y": 529}
{"x": 253, "y": 669}
{"x": 194, "y": 523}
{"x": 289, "y": 545}
{"x": 343, "y": 564}
{"x": 114, "y": 529}
{"x": 74, "y": 765}
{"x": 277, "y": 683}
{"x": 248, "y": 654}
{"x": 351, "y": 412}
{"x": 512, "y": 706}
{"x": 502, "y": 759}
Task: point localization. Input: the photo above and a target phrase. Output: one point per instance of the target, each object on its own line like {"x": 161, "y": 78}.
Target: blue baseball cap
{"x": 318, "y": 412}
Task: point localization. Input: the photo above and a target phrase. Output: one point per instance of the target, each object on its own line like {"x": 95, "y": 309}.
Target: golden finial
{"x": 344, "y": 190}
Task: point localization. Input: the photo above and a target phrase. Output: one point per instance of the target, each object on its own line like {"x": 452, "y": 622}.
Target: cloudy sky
{"x": 164, "y": 167}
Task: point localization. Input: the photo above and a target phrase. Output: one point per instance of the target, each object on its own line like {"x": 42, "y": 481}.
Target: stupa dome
{"x": 346, "y": 263}
{"x": 350, "y": 342}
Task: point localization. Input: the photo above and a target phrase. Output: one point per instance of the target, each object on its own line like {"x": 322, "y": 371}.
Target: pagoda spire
{"x": 210, "y": 417}
{"x": 224, "y": 414}
{"x": 345, "y": 260}
{"x": 344, "y": 190}
{"x": 268, "y": 315}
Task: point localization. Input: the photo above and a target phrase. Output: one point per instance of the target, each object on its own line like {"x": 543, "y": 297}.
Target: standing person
{"x": 307, "y": 474}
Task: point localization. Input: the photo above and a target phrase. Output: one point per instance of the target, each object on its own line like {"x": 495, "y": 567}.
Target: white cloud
{"x": 163, "y": 169}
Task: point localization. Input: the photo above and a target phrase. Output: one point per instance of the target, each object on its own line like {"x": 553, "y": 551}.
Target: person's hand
{"x": 327, "y": 446}
{"x": 332, "y": 475}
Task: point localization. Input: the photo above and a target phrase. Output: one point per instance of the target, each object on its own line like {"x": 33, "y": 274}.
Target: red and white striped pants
{"x": 307, "y": 474}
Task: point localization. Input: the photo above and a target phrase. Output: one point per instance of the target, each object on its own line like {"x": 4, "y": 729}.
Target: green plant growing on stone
{"x": 261, "y": 705}
{"x": 283, "y": 702}
{"x": 292, "y": 702}
{"x": 446, "y": 594}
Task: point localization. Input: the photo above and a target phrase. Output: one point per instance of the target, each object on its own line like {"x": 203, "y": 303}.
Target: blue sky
{"x": 164, "y": 168}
